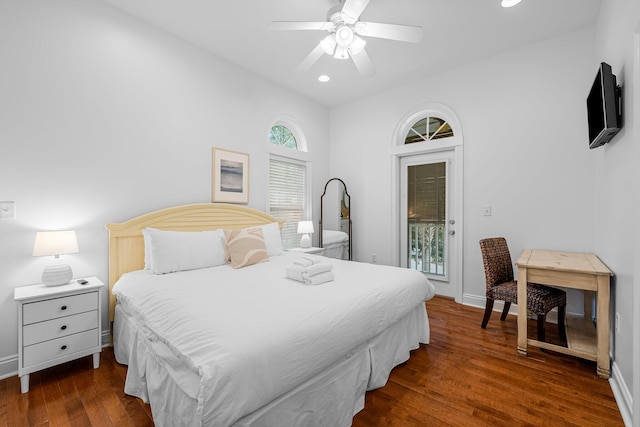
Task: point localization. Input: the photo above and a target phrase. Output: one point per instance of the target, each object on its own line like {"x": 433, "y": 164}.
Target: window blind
{"x": 287, "y": 191}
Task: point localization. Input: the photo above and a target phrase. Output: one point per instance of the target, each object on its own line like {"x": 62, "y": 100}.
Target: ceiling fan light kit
{"x": 344, "y": 40}
{"x": 344, "y": 35}
{"x": 329, "y": 44}
{"x": 341, "y": 53}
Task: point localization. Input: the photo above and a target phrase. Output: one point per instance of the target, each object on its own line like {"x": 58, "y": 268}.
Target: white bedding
{"x": 250, "y": 335}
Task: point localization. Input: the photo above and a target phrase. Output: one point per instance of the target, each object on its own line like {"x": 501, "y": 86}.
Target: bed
{"x": 248, "y": 346}
{"x": 335, "y": 244}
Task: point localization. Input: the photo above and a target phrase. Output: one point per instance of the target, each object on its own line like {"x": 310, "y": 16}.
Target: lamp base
{"x": 57, "y": 273}
{"x": 305, "y": 241}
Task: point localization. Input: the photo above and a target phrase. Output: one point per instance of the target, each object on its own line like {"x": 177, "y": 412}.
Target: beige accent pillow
{"x": 246, "y": 247}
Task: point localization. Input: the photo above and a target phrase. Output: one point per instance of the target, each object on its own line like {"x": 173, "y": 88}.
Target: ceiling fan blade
{"x": 403, "y": 33}
{"x": 311, "y": 59}
{"x": 363, "y": 63}
{"x": 293, "y": 25}
{"x": 353, "y": 8}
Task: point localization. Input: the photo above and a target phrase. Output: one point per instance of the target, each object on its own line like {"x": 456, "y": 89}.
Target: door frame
{"x": 399, "y": 150}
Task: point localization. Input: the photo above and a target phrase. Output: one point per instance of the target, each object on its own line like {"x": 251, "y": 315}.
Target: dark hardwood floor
{"x": 466, "y": 376}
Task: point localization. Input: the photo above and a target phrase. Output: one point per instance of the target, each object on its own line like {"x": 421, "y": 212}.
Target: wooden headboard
{"x": 126, "y": 245}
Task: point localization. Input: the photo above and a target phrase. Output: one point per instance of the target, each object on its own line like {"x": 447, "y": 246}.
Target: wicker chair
{"x": 498, "y": 271}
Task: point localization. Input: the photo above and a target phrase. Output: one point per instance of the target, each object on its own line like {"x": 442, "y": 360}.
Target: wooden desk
{"x": 569, "y": 270}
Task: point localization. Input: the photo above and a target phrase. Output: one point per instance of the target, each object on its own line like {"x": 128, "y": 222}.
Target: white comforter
{"x": 251, "y": 334}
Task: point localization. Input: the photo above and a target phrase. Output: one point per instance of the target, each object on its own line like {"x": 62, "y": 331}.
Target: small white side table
{"x": 57, "y": 324}
{"x": 311, "y": 250}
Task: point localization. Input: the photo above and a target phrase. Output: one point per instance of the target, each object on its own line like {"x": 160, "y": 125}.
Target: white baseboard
{"x": 106, "y": 339}
{"x": 622, "y": 394}
{"x": 480, "y": 302}
{"x": 8, "y": 366}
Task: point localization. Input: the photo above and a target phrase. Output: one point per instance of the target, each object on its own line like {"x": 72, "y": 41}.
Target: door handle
{"x": 452, "y": 232}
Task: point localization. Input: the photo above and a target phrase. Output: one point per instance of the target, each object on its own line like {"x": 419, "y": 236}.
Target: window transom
{"x": 428, "y": 129}
{"x": 281, "y": 135}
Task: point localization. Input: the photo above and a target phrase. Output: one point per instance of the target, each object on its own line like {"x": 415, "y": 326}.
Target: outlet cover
{"x": 7, "y": 210}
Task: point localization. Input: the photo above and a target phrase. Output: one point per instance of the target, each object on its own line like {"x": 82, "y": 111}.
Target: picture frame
{"x": 230, "y": 176}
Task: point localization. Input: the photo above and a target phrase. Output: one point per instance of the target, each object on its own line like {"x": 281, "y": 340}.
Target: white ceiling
{"x": 456, "y": 32}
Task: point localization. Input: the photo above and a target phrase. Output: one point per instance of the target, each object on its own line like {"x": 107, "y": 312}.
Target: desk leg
{"x": 602, "y": 326}
{"x": 522, "y": 311}
{"x": 588, "y": 304}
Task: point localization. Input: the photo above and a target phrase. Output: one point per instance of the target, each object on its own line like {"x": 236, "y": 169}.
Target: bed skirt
{"x": 330, "y": 398}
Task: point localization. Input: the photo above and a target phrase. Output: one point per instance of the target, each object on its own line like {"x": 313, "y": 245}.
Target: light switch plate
{"x": 7, "y": 210}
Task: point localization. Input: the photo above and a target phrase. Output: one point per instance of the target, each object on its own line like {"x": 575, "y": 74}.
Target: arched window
{"x": 288, "y": 195}
{"x": 428, "y": 129}
{"x": 281, "y": 135}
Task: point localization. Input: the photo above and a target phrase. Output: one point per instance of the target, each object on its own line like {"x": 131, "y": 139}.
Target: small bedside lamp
{"x": 57, "y": 272}
{"x": 305, "y": 228}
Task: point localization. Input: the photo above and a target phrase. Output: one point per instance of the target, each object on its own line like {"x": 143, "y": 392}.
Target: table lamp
{"x": 58, "y": 271}
{"x": 305, "y": 228}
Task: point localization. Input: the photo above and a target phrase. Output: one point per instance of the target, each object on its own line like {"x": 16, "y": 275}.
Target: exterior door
{"x": 428, "y": 218}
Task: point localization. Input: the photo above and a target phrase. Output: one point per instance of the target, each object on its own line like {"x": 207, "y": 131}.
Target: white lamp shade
{"x": 305, "y": 227}
{"x": 54, "y": 243}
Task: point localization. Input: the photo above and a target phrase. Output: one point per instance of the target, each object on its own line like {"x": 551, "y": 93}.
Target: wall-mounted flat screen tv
{"x": 604, "y": 107}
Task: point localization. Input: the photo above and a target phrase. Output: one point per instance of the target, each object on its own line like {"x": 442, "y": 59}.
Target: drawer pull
{"x": 63, "y": 327}
{"x": 64, "y": 347}
{"x": 64, "y": 307}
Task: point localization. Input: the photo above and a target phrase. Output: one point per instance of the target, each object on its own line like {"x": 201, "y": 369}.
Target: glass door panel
{"x": 426, "y": 218}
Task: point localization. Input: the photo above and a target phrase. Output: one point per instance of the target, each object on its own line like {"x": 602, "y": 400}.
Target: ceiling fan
{"x": 344, "y": 39}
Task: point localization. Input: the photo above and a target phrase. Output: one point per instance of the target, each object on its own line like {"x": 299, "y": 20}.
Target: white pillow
{"x": 272, "y": 238}
{"x": 171, "y": 251}
{"x": 147, "y": 248}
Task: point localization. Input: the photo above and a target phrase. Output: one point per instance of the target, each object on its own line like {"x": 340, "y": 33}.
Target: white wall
{"x": 525, "y": 152}
{"x": 103, "y": 117}
{"x": 523, "y": 117}
{"x": 617, "y": 238}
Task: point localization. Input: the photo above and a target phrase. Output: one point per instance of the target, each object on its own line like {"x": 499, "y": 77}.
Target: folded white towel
{"x": 318, "y": 268}
{"x": 295, "y": 272}
{"x": 310, "y": 273}
{"x": 306, "y": 261}
{"x": 317, "y": 279}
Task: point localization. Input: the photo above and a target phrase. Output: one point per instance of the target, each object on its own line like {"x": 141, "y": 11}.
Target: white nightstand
{"x": 311, "y": 250}
{"x": 57, "y": 324}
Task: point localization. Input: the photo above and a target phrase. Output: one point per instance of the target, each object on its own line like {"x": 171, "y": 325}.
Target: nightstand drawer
{"x": 58, "y": 307}
{"x": 60, "y": 327}
{"x": 60, "y": 347}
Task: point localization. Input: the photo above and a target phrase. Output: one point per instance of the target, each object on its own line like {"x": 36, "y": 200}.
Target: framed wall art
{"x": 230, "y": 176}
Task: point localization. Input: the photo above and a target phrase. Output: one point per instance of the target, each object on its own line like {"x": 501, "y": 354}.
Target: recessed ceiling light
{"x": 509, "y": 3}
{"x": 324, "y": 78}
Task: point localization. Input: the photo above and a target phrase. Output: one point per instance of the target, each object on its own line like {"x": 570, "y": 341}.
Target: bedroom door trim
{"x": 399, "y": 150}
